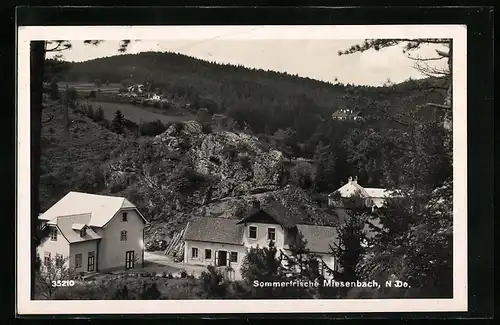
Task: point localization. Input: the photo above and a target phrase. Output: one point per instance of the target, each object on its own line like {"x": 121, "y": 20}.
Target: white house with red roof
{"x": 224, "y": 242}
{"x": 94, "y": 232}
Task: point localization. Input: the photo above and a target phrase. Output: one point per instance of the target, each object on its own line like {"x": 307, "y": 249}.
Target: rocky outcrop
{"x": 185, "y": 173}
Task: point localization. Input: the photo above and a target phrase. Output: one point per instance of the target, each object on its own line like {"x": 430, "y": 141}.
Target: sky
{"x": 313, "y": 58}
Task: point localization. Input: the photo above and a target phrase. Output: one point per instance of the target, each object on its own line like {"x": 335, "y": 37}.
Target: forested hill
{"x": 278, "y": 105}
{"x": 265, "y": 100}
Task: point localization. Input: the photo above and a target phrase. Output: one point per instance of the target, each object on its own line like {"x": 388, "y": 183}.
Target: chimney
{"x": 355, "y": 180}
{"x": 256, "y": 205}
{"x": 349, "y": 180}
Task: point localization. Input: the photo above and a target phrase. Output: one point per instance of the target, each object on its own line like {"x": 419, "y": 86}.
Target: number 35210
{"x": 63, "y": 283}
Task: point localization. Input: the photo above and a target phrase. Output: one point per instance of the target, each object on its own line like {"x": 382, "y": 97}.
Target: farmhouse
{"x": 224, "y": 242}
{"x": 94, "y": 232}
{"x": 139, "y": 89}
{"x": 374, "y": 197}
{"x": 347, "y": 114}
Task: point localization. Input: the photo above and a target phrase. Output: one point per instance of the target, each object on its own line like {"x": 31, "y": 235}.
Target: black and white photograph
{"x": 243, "y": 168}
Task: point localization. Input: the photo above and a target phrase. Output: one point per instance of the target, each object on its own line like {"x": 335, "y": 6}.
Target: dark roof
{"x": 319, "y": 238}
{"x": 283, "y": 216}
{"x": 216, "y": 230}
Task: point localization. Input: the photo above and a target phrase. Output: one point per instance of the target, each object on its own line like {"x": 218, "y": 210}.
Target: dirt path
{"x": 159, "y": 262}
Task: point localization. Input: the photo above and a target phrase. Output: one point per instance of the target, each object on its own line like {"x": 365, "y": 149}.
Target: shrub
{"x": 152, "y": 128}
{"x": 206, "y": 128}
{"x": 72, "y": 94}
{"x": 90, "y": 112}
{"x": 184, "y": 274}
{"x": 165, "y": 105}
{"x": 230, "y": 151}
{"x": 99, "y": 115}
{"x": 245, "y": 162}
{"x": 54, "y": 89}
{"x": 150, "y": 291}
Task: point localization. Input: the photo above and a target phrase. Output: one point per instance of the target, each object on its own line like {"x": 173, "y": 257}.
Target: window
{"x": 194, "y": 252}
{"x": 91, "y": 254}
{"x": 78, "y": 260}
{"x": 53, "y": 234}
{"x": 124, "y": 216}
{"x": 208, "y": 254}
{"x": 271, "y": 234}
{"x": 46, "y": 257}
{"x": 59, "y": 259}
{"x": 234, "y": 257}
{"x": 252, "y": 232}
{"x": 83, "y": 232}
{"x": 123, "y": 235}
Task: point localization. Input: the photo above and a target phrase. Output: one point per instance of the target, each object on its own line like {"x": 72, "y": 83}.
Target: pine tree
{"x": 118, "y": 123}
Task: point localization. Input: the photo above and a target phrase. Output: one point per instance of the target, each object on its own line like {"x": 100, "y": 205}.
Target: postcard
{"x": 241, "y": 169}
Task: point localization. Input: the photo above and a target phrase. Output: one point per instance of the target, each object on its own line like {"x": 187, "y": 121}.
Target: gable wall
{"x": 261, "y": 240}
{"x": 61, "y": 246}
{"x": 112, "y": 249}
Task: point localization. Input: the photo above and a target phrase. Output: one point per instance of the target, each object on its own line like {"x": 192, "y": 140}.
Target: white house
{"x": 136, "y": 89}
{"x": 224, "y": 242}
{"x": 95, "y": 232}
{"x": 374, "y": 197}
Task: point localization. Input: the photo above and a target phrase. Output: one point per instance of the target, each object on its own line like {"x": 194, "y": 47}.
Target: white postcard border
{"x": 26, "y": 306}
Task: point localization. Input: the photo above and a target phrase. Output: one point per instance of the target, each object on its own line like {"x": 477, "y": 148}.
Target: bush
{"x": 152, "y": 128}
{"x": 105, "y": 123}
{"x": 165, "y": 105}
{"x": 206, "y": 128}
{"x": 212, "y": 283}
{"x": 184, "y": 274}
{"x": 245, "y": 162}
{"x": 54, "y": 90}
{"x": 230, "y": 151}
{"x": 156, "y": 245}
{"x": 72, "y": 94}
{"x": 90, "y": 112}
{"x": 99, "y": 115}
{"x": 150, "y": 291}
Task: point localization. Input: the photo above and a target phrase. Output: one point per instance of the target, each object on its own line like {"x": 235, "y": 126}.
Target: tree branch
{"x": 440, "y": 106}
{"x": 65, "y": 46}
{"x": 443, "y": 54}
{"x": 417, "y": 58}
{"x": 51, "y": 117}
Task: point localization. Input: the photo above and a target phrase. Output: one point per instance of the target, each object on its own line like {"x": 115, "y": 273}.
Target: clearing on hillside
{"x": 136, "y": 113}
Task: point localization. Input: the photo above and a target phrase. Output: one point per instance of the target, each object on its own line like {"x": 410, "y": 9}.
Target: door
{"x": 222, "y": 258}
{"x": 129, "y": 260}
{"x": 91, "y": 262}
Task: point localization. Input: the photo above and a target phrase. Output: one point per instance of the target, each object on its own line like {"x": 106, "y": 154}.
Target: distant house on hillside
{"x": 138, "y": 89}
{"x": 347, "y": 114}
{"x": 95, "y": 232}
{"x": 374, "y": 197}
{"x": 224, "y": 242}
